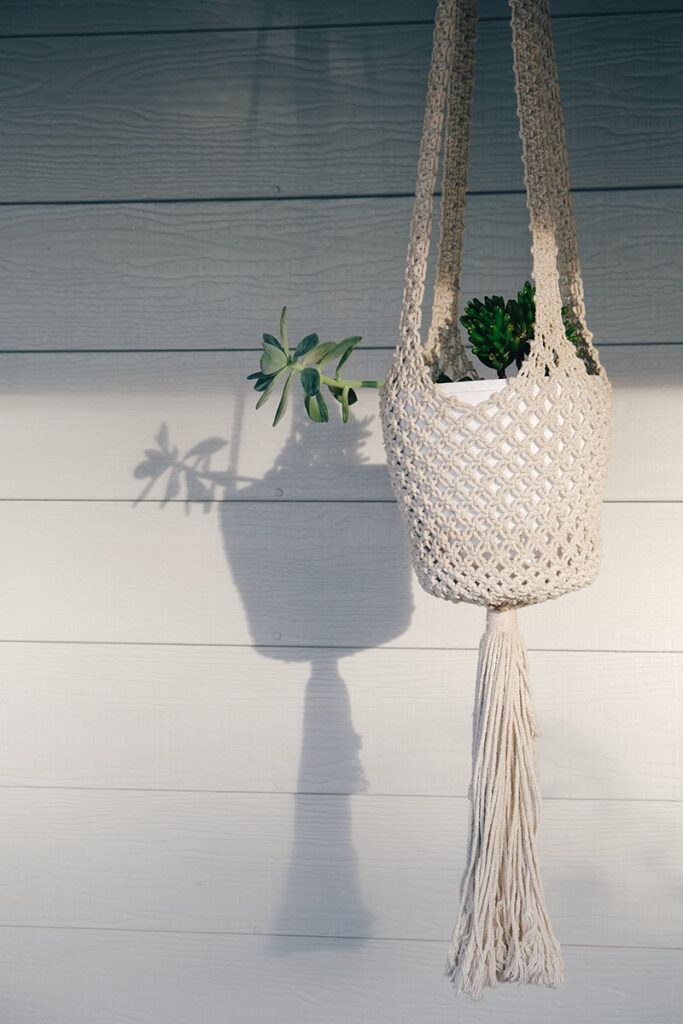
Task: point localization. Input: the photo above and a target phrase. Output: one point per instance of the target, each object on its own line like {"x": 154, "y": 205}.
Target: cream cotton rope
{"x": 502, "y": 500}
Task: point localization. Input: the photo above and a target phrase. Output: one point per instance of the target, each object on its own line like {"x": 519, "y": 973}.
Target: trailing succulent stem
{"x": 279, "y": 367}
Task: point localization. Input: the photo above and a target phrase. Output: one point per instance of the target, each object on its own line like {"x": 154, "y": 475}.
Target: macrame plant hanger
{"x": 502, "y": 500}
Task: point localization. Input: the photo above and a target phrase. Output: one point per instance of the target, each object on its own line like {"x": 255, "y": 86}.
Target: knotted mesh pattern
{"x": 501, "y": 500}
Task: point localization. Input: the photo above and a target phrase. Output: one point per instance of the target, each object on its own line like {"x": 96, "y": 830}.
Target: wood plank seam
{"x": 331, "y": 197}
{"x": 324, "y": 647}
{"x": 326, "y": 794}
{"x": 322, "y": 26}
{"x": 285, "y": 935}
{"x": 229, "y": 351}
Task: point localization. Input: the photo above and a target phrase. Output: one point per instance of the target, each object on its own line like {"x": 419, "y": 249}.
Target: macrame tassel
{"x": 503, "y": 932}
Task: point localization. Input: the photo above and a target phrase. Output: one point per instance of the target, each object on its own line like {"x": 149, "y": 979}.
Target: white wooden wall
{"x": 234, "y": 740}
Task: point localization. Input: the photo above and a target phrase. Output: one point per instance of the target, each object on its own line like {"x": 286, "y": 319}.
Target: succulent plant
{"x": 279, "y": 367}
{"x": 501, "y": 332}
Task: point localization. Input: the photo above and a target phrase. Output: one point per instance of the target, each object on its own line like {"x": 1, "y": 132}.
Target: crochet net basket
{"x": 501, "y": 500}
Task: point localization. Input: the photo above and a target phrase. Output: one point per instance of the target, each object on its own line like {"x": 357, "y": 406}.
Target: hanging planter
{"x": 501, "y": 498}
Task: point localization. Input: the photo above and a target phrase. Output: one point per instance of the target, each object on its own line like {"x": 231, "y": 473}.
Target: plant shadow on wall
{"x": 305, "y": 577}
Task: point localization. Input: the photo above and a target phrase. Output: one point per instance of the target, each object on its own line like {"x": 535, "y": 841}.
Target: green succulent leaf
{"x": 273, "y": 359}
{"x": 319, "y": 355}
{"x": 346, "y": 396}
{"x": 310, "y": 380}
{"x": 267, "y": 393}
{"x": 322, "y": 407}
{"x": 264, "y": 379}
{"x": 282, "y": 407}
{"x": 343, "y": 351}
{"x": 312, "y": 409}
{"x": 270, "y": 339}
{"x": 305, "y": 345}
{"x": 283, "y": 329}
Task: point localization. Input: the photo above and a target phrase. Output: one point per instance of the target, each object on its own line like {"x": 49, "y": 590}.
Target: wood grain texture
{"x": 92, "y": 416}
{"x": 230, "y": 114}
{"x": 379, "y": 722}
{"x": 385, "y": 867}
{"x": 321, "y": 574}
{"x": 215, "y": 275}
{"x": 42, "y": 17}
{"x": 133, "y": 978}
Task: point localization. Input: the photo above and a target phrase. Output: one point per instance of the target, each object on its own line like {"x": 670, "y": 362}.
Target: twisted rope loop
{"x": 556, "y": 266}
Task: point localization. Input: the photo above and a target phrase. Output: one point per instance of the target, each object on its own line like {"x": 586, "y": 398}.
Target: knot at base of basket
{"x": 503, "y": 932}
{"x": 501, "y": 620}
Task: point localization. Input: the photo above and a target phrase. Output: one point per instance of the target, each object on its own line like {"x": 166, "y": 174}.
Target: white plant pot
{"x": 473, "y": 391}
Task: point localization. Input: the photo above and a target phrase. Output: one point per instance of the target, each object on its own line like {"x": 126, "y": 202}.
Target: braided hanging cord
{"x": 536, "y": 81}
{"x": 444, "y": 350}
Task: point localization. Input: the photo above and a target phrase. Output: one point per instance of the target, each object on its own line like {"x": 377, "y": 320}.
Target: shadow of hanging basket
{"x": 327, "y": 573}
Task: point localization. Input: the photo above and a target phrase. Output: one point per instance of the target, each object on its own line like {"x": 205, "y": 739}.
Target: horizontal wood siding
{"x": 380, "y": 722}
{"x": 52, "y": 17}
{"x": 230, "y": 115}
{"x": 323, "y": 865}
{"x": 188, "y": 977}
{"x": 170, "y": 577}
{"x": 216, "y": 275}
{"x": 234, "y": 739}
